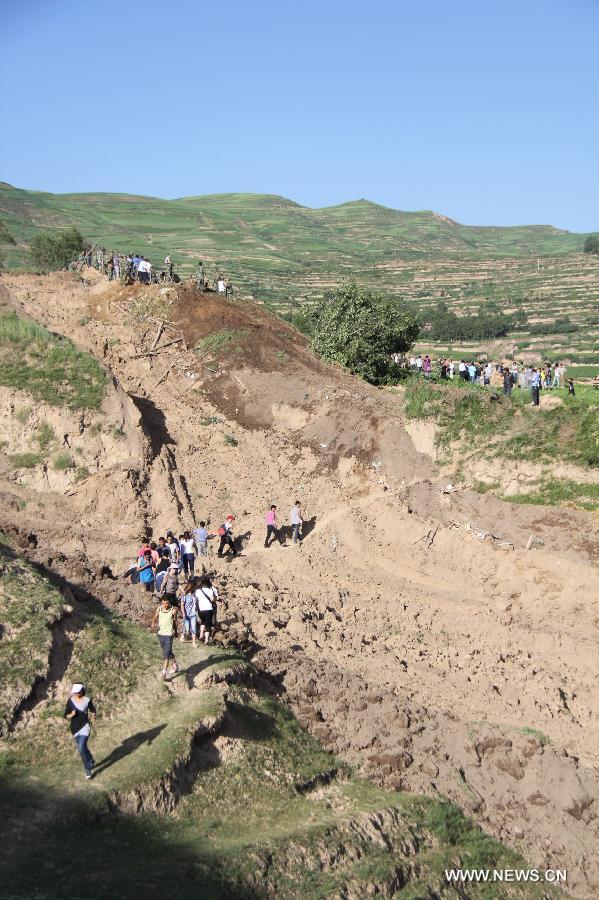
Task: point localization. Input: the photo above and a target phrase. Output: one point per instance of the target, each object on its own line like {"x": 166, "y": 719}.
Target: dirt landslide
{"x": 412, "y": 632}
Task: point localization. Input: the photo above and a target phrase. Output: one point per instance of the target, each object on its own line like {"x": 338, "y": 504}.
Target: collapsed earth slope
{"x": 411, "y": 632}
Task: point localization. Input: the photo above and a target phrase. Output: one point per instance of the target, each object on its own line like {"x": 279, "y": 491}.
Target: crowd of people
{"x": 502, "y": 375}
{"x": 186, "y": 606}
{"x": 129, "y": 268}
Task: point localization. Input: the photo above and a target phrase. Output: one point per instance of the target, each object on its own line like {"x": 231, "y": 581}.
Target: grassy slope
{"x": 246, "y": 820}
{"x": 251, "y": 233}
{"x": 512, "y": 428}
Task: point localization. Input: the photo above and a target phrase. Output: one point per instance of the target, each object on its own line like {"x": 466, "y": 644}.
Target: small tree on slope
{"x": 361, "y": 331}
{"x": 56, "y": 251}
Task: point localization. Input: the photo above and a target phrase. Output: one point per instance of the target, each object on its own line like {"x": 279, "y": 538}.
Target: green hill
{"x": 268, "y": 245}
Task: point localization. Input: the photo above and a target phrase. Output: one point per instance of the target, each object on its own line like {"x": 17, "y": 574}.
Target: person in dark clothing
{"x": 164, "y": 555}
{"x": 225, "y": 533}
{"x": 78, "y": 710}
{"x": 507, "y": 382}
{"x": 571, "y": 387}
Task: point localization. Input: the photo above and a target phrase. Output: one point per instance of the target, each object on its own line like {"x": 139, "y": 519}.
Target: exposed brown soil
{"x": 411, "y": 631}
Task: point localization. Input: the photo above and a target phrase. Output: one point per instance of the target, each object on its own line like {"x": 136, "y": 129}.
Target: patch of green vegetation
{"x": 118, "y": 432}
{"x": 210, "y": 420}
{"x": 221, "y": 340}
{"x": 27, "y": 460}
{"x": 230, "y": 440}
{"x": 49, "y": 368}
{"x": 63, "y": 461}
{"x": 484, "y": 487}
{"x": 44, "y": 435}
{"x": 95, "y": 429}
{"x": 470, "y": 413}
{"x": 556, "y": 492}
{"x": 81, "y": 473}
{"x": 84, "y": 320}
{"x": 29, "y": 605}
{"x": 23, "y": 413}
{"x": 281, "y": 356}
{"x": 542, "y": 738}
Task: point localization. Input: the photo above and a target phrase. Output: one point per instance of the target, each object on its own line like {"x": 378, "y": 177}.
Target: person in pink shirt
{"x": 272, "y": 530}
{"x": 427, "y": 365}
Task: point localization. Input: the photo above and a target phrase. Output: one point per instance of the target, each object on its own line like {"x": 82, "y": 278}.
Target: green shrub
{"x": 361, "y": 331}
{"x": 231, "y": 440}
{"x": 63, "y": 461}
{"x": 55, "y": 251}
{"x": 81, "y": 473}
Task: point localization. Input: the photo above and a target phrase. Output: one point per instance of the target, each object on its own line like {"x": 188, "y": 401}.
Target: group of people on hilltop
{"x": 126, "y": 267}
{"x": 485, "y": 373}
{"x": 129, "y": 268}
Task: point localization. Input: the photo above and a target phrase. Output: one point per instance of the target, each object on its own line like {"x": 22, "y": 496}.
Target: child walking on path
{"x": 165, "y": 616}
{"x": 189, "y": 612}
{"x": 78, "y": 709}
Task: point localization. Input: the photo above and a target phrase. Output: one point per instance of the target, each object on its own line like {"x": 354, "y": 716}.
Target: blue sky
{"x": 483, "y": 111}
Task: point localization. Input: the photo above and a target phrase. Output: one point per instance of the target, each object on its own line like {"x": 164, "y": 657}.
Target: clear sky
{"x": 483, "y": 110}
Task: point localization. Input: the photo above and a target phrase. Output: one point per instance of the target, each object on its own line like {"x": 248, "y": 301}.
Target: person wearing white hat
{"x": 79, "y": 708}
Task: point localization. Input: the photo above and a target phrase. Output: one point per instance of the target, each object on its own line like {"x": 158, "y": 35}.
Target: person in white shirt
{"x": 206, "y": 597}
{"x": 186, "y": 545}
{"x": 296, "y": 521}
{"x": 221, "y": 287}
{"x": 419, "y": 363}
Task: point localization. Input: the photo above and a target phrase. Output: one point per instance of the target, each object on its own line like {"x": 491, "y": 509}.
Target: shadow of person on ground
{"x": 195, "y": 668}
{"x": 308, "y": 526}
{"x": 129, "y": 745}
{"x": 240, "y": 539}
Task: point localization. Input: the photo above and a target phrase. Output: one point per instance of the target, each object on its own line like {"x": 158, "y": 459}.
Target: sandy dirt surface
{"x": 411, "y": 631}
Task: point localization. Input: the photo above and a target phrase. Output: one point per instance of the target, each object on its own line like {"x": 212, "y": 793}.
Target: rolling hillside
{"x": 264, "y": 240}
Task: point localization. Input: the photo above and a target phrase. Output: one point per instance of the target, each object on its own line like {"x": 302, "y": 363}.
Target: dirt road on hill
{"x": 411, "y": 631}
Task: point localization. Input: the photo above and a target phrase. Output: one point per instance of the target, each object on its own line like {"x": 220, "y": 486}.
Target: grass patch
{"x": 23, "y": 413}
{"x": 221, "y": 340}
{"x": 210, "y": 420}
{"x": 474, "y": 415}
{"x": 557, "y": 492}
{"x": 542, "y": 738}
{"x": 230, "y": 440}
{"x": 44, "y": 435}
{"x": 63, "y": 461}
{"x": 28, "y": 606}
{"x": 49, "y": 368}
{"x": 26, "y": 460}
{"x": 81, "y": 473}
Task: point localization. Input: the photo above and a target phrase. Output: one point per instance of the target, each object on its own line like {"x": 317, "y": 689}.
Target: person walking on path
{"x": 189, "y": 612}
{"x": 186, "y": 543}
{"x": 147, "y": 571}
{"x": 200, "y": 535}
{"x": 165, "y": 617}
{"x": 225, "y": 533}
{"x": 272, "y": 530}
{"x": 296, "y": 521}
{"x": 206, "y": 597}
{"x": 78, "y": 710}
{"x": 170, "y": 584}
{"x": 507, "y": 382}
{"x": 535, "y": 387}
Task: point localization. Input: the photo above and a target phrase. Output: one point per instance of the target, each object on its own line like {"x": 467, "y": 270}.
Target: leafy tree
{"x": 361, "y": 330}
{"x": 56, "y": 251}
{"x": 591, "y": 245}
